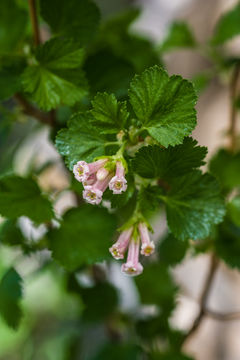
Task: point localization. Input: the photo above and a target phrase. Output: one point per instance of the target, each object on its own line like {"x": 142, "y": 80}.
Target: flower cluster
{"x": 96, "y": 177}
{"x": 131, "y": 239}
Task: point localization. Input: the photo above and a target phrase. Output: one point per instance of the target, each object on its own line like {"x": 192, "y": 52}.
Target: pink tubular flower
{"x": 132, "y": 267}
{"x": 83, "y": 170}
{"x": 148, "y": 246}
{"x": 118, "y": 249}
{"x": 93, "y": 193}
{"x": 118, "y": 183}
{"x": 90, "y": 180}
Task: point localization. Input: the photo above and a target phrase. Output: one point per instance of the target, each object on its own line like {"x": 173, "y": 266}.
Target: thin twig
{"x": 222, "y": 317}
{"x": 203, "y": 298}
{"x": 34, "y": 21}
{"x": 29, "y": 109}
{"x": 233, "y": 110}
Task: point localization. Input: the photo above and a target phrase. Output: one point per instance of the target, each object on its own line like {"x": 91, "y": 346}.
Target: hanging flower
{"x": 118, "y": 249}
{"x": 147, "y": 247}
{"x": 118, "y": 183}
{"x": 133, "y": 267}
{"x": 93, "y": 193}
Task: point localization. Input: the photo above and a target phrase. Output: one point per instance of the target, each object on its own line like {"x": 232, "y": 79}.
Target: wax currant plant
{"x": 144, "y": 137}
{"x": 85, "y": 222}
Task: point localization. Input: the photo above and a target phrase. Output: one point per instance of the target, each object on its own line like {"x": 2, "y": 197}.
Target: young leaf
{"x": 22, "y": 197}
{"x": 80, "y": 240}
{"x": 77, "y": 19}
{"x": 194, "y": 205}
{"x": 229, "y": 174}
{"x": 179, "y": 36}
{"x": 10, "y": 295}
{"x": 57, "y": 76}
{"x": 155, "y": 162}
{"x": 228, "y": 26}
{"x": 108, "y": 113}
{"x": 11, "y": 31}
{"x": 164, "y": 105}
{"x": 81, "y": 141}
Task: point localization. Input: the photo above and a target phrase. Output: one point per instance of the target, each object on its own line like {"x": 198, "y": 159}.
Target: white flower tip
{"x": 81, "y": 171}
{"x": 114, "y": 250}
{"x": 118, "y": 184}
{"x": 131, "y": 269}
{"x": 147, "y": 249}
{"x": 92, "y": 196}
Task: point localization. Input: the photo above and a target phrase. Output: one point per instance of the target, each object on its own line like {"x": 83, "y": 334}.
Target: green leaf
{"x": 83, "y": 238}
{"x": 115, "y": 34}
{"x": 155, "y": 162}
{"x": 164, "y": 105}
{"x": 227, "y": 244}
{"x": 11, "y": 32}
{"x": 233, "y": 208}
{"x": 226, "y": 167}
{"x": 81, "y": 141}
{"x": 228, "y": 26}
{"x": 10, "y": 234}
{"x": 22, "y": 197}
{"x": 11, "y": 68}
{"x": 194, "y": 205}
{"x": 77, "y": 19}
{"x": 179, "y": 36}
{"x": 149, "y": 199}
{"x": 100, "y": 301}
{"x": 155, "y": 286}
{"x": 108, "y": 113}
{"x": 10, "y": 295}
{"x": 108, "y": 72}
{"x": 172, "y": 251}
{"x": 57, "y": 77}
{"x": 118, "y": 352}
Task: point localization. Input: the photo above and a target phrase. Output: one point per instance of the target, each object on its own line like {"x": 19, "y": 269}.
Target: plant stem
{"x": 233, "y": 110}
{"x": 29, "y": 109}
{"x": 34, "y": 21}
{"x": 203, "y": 298}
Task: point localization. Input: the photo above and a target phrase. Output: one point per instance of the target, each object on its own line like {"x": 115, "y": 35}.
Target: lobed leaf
{"x": 57, "y": 77}
{"x": 194, "y": 205}
{"x": 77, "y": 242}
{"x": 80, "y": 141}
{"x": 155, "y": 162}
{"x": 164, "y": 105}
{"x": 22, "y": 197}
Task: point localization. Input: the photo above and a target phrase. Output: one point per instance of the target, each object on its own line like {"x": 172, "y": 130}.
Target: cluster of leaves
{"x": 87, "y": 69}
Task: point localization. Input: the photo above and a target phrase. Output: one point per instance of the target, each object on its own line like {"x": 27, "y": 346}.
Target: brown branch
{"x": 203, "y": 298}
{"x": 31, "y": 110}
{"x": 233, "y": 110}
{"x": 34, "y": 21}
{"x": 222, "y": 317}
